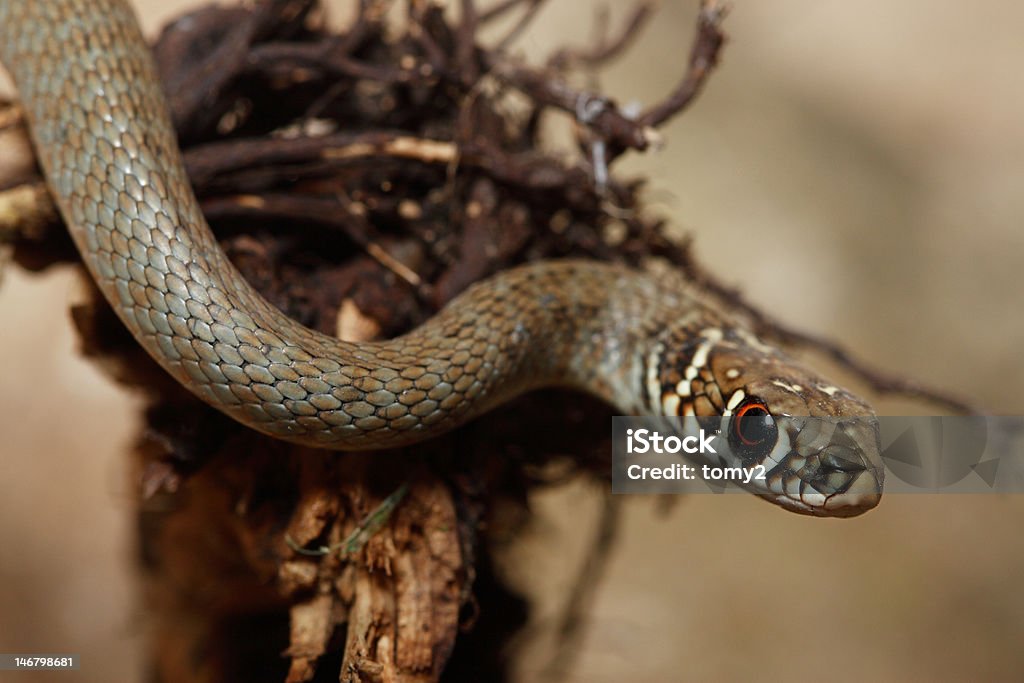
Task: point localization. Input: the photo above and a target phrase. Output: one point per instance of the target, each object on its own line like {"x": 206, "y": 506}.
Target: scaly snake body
{"x": 643, "y": 342}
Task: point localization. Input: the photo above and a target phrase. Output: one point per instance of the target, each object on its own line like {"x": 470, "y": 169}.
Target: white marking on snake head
{"x": 792, "y": 388}
{"x": 752, "y": 341}
{"x": 700, "y": 356}
{"x": 734, "y": 400}
{"x": 652, "y": 382}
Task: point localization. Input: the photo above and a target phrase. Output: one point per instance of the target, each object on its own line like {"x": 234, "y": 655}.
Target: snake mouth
{"x": 864, "y": 494}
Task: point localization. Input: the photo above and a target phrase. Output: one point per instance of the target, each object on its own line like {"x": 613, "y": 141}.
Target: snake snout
{"x": 853, "y": 462}
{"x": 836, "y": 465}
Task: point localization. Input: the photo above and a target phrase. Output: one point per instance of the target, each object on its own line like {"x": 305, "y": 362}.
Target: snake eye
{"x": 753, "y": 433}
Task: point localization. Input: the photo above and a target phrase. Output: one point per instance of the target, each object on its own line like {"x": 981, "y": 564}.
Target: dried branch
{"x": 501, "y": 8}
{"x": 703, "y": 59}
{"x": 606, "y": 50}
{"x": 571, "y": 627}
{"x": 194, "y": 87}
{"x": 328, "y": 58}
{"x": 597, "y": 112}
{"x": 521, "y": 25}
{"x": 465, "y": 42}
{"x": 882, "y": 382}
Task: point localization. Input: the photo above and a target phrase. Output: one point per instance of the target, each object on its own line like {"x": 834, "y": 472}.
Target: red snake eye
{"x": 754, "y": 428}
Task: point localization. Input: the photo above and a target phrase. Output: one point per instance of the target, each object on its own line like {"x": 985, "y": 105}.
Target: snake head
{"x": 815, "y": 445}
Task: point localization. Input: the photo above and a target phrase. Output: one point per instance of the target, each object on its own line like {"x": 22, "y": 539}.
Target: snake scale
{"x": 647, "y": 343}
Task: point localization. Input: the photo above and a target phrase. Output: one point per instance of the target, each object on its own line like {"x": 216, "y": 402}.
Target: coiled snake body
{"x": 643, "y": 342}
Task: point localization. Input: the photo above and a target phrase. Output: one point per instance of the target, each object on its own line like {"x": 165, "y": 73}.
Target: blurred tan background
{"x": 857, "y": 169}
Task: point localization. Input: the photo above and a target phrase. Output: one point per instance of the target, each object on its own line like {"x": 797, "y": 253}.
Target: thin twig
{"x": 361, "y": 534}
{"x": 322, "y": 211}
{"x": 500, "y": 9}
{"x": 419, "y": 15}
{"x": 571, "y": 626}
{"x": 195, "y": 89}
{"x": 703, "y": 59}
{"x": 282, "y": 57}
{"x": 547, "y": 88}
{"x": 369, "y": 20}
{"x": 465, "y": 43}
{"x": 882, "y": 382}
{"x": 608, "y": 49}
{"x": 517, "y": 29}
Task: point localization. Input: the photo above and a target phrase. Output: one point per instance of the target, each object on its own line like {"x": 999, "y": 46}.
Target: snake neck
{"x": 597, "y": 328}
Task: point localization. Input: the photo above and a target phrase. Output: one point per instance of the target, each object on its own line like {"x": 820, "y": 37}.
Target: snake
{"x": 646, "y": 341}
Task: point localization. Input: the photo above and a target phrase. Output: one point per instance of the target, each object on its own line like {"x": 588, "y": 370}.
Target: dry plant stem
{"x": 703, "y": 59}
{"x": 532, "y": 8}
{"x": 604, "y": 118}
{"x": 422, "y": 15}
{"x": 499, "y": 9}
{"x": 329, "y": 59}
{"x": 608, "y": 123}
{"x": 465, "y": 44}
{"x": 407, "y": 592}
{"x": 311, "y": 628}
{"x": 880, "y": 381}
{"x": 368, "y": 21}
{"x": 208, "y": 162}
{"x": 572, "y": 626}
{"x": 336, "y": 212}
{"x": 204, "y": 84}
{"x": 601, "y": 54}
